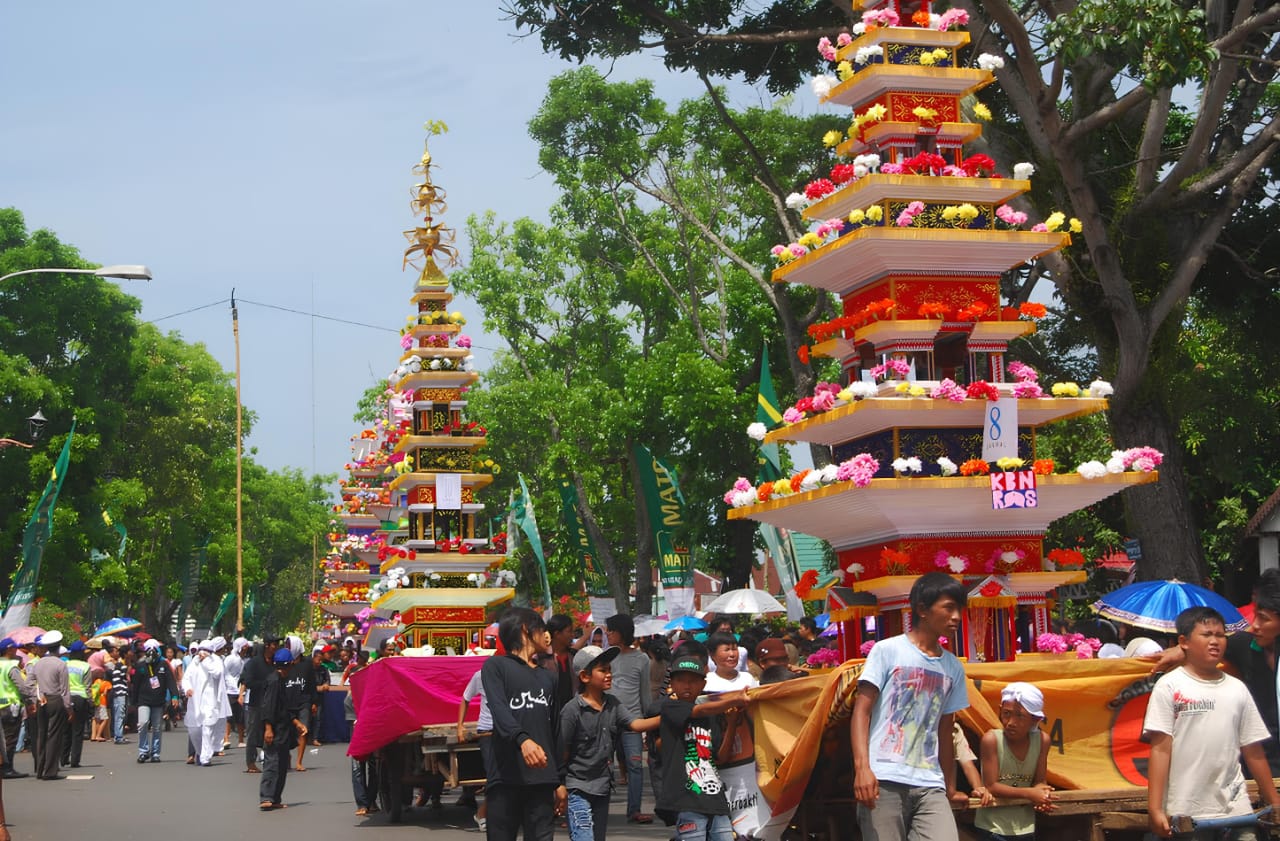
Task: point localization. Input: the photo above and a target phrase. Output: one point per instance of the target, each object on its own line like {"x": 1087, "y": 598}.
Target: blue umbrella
{"x": 822, "y": 620}
{"x": 685, "y": 623}
{"x": 1155, "y": 605}
{"x": 115, "y": 626}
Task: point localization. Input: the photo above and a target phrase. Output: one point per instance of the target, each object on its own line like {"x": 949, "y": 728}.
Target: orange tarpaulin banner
{"x": 1093, "y": 715}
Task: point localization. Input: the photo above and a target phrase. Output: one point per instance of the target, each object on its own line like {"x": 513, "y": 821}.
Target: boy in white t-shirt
{"x": 1199, "y": 722}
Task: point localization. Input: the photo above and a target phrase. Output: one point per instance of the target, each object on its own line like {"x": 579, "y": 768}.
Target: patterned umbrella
{"x": 685, "y": 623}
{"x": 116, "y": 626}
{"x": 1155, "y": 605}
{"x": 745, "y": 601}
{"x": 27, "y": 635}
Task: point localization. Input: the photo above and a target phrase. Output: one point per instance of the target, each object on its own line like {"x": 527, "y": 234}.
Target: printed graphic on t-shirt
{"x": 912, "y": 706}
{"x": 1186, "y": 705}
{"x": 528, "y": 699}
{"x": 698, "y": 766}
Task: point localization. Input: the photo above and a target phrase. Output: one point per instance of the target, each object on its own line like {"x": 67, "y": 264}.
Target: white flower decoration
{"x": 987, "y": 61}
{"x": 1101, "y": 388}
{"x": 756, "y": 431}
{"x": 797, "y": 201}
{"x": 811, "y": 481}
{"x": 859, "y": 389}
{"x": 822, "y": 85}
{"x": 859, "y": 28}
{"x": 1092, "y": 470}
{"x": 1023, "y": 171}
{"x": 829, "y": 473}
{"x": 907, "y": 465}
{"x": 948, "y": 466}
{"x": 865, "y": 54}
{"x": 855, "y": 569}
{"x": 1115, "y": 464}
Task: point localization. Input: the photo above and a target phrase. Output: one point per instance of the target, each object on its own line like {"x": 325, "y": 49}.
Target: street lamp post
{"x": 122, "y": 272}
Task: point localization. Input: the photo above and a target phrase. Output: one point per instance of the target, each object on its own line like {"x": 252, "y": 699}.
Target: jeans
{"x": 119, "y": 708}
{"x": 695, "y": 826}
{"x": 588, "y": 816}
{"x": 364, "y": 783}
{"x": 905, "y": 812}
{"x": 633, "y": 755}
{"x": 150, "y": 726}
{"x": 512, "y": 807}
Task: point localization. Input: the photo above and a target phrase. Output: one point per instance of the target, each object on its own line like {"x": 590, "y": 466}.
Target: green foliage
{"x": 1160, "y": 42}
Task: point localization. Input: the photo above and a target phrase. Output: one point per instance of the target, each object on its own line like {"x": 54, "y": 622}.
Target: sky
{"x": 268, "y": 147}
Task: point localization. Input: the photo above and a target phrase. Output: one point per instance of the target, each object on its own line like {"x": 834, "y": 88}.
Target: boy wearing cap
{"x": 1015, "y": 764}
{"x": 903, "y": 720}
{"x": 1199, "y": 722}
{"x": 691, "y": 741}
{"x": 589, "y": 724}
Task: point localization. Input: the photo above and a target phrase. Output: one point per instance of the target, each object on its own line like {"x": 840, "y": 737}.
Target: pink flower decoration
{"x": 464, "y": 341}
{"x": 1040, "y": 228}
{"x": 904, "y": 220}
{"x": 948, "y": 390}
{"x": 915, "y": 207}
{"x": 778, "y": 250}
{"x": 798, "y": 250}
{"x": 406, "y": 341}
{"x": 823, "y": 401}
{"x": 1145, "y": 459}
{"x": 792, "y": 415}
{"x": 950, "y": 18}
{"x": 825, "y": 49}
{"x": 844, "y": 39}
{"x": 891, "y": 169}
{"x": 1027, "y": 389}
{"x": 866, "y": 647}
{"x": 1022, "y": 371}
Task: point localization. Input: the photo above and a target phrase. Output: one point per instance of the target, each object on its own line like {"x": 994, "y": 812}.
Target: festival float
{"x": 932, "y": 430}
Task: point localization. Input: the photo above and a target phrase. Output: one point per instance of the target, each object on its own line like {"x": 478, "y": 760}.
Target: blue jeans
{"x": 364, "y": 783}
{"x": 119, "y": 708}
{"x": 588, "y": 816}
{"x": 633, "y": 755}
{"x": 150, "y": 720}
{"x": 695, "y": 826}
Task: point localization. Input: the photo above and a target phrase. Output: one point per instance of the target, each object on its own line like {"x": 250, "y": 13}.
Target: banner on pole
{"x": 17, "y": 613}
{"x": 523, "y": 517}
{"x": 665, "y": 506}
{"x": 594, "y": 579}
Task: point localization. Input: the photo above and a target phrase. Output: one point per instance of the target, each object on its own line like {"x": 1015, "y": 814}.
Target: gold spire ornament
{"x": 431, "y": 237}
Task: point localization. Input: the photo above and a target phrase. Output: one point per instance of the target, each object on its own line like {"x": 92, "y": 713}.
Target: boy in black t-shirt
{"x": 691, "y": 741}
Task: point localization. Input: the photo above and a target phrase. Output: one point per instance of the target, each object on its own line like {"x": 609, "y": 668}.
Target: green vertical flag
{"x": 120, "y": 530}
{"x": 593, "y": 577}
{"x": 39, "y": 529}
{"x": 665, "y": 506}
{"x": 769, "y": 414}
{"x": 227, "y": 600}
{"x": 190, "y": 583}
{"x": 523, "y": 518}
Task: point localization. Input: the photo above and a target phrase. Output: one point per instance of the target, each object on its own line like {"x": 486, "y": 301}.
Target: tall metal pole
{"x": 235, "y": 330}
{"x": 315, "y": 564}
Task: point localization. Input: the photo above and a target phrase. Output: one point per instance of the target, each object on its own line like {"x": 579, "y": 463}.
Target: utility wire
{"x": 187, "y": 312}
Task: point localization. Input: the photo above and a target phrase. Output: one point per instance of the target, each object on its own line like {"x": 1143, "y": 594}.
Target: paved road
{"x": 171, "y": 801}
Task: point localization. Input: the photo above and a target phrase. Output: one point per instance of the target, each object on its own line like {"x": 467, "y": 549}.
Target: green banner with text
{"x": 665, "y": 506}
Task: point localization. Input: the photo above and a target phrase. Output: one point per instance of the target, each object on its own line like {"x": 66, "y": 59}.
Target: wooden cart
{"x": 429, "y": 757}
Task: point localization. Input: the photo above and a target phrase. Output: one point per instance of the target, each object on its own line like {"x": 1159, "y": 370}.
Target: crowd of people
{"x": 564, "y": 710}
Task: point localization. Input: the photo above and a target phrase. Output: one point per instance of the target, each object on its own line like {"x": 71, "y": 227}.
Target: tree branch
{"x": 1152, "y": 139}
{"x": 1257, "y": 150}
{"x": 1105, "y": 115}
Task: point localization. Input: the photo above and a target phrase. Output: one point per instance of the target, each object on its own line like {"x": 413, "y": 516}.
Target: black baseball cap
{"x": 693, "y": 665}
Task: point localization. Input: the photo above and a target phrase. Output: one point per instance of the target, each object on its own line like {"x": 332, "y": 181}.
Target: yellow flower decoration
{"x": 967, "y": 212}
{"x": 782, "y": 487}
{"x": 876, "y": 112}
{"x": 1074, "y": 226}
{"x": 939, "y": 54}
{"x": 927, "y": 59}
{"x": 1009, "y": 463}
{"x": 844, "y": 70}
{"x": 917, "y": 391}
{"x": 875, "y": 213}
{"x": 1055, "y": 221}
{"x": 981, "y": 111}
{"x": 844, "y": 394}
{"x": 856, "y": 217}
{"x": 903, "y": 387}
{"x": 950, "y": 212}
{"x": 832, "y": 138}
{"x": 1065, "y": 390}
{"x": 810, "y": 240}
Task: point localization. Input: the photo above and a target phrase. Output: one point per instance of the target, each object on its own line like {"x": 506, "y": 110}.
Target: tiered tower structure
{"x": 913, "y": 237}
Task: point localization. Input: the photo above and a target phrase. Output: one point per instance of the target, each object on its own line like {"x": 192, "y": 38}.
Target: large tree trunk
{"x": 604, "y": 549}
{"x": 742, "y": 537}
{"x": 1159, "y": 514}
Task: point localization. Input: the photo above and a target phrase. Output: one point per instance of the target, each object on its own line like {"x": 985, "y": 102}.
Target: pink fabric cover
{"x": 397, "y": 695}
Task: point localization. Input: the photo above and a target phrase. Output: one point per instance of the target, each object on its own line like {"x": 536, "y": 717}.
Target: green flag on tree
{"x": 39, "y": 529}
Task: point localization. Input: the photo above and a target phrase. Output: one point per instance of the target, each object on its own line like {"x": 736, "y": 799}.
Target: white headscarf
{"x": 295, "y": 646}
{"x": 1031, "y": 698}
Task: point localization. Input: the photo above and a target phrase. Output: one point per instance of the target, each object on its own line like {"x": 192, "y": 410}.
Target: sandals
{"x": 266, "y": 805}
{"x": 362, "y": 811}
{"x": 639, "y": 817}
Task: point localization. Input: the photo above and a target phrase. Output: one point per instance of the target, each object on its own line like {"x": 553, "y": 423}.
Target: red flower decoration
{"x": 975, "y": 467}
{"x": 990, "y": 589}
{"x": 1032, "y": 310}
{"x": 818, "y": 188}
{"x": 976, "y": 164}
{"x": 925, "y": 163}
{"x": 803, "y": 354}
{"x": 842, "y": 173}
{"x": 806, "y": 582}
{"x": 982, "y": 389}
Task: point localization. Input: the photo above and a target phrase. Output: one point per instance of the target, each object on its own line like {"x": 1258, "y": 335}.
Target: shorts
{"x": 101, "y": 713}
{"x": 237, "y": 709}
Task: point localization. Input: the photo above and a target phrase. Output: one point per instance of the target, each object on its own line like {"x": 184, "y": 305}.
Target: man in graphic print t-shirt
{"x": 908, "y": 693}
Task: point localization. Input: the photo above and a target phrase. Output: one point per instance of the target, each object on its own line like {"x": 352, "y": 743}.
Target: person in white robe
{"x": 205, "y": 702}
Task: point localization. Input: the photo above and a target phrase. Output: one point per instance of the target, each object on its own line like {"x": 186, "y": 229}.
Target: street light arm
{"x": 122, "y": 272}
{"x": 10, "y": 442}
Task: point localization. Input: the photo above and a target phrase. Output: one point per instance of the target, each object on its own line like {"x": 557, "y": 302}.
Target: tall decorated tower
{"x": 410, "y": 553}
{"x": 932, "y": 433}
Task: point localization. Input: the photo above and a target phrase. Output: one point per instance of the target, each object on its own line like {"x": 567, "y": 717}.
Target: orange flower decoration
{"x": 975, "y": 467}
{"x": 920, "y": 18}
{"x": 764, "y": 491}
{"x": 1032, "y": 310}
{"x": 1067, "y": 558}
{"x": 797, "y": 479}
{"x": 1043, "y": 467}
{"x": 932, "y": 310}
{"x": 806, "y": 582}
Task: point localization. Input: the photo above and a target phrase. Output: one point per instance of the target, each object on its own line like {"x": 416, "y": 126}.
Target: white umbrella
{"x": 746, "y": 601}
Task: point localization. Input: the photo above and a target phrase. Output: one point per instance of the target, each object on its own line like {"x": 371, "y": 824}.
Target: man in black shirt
{"x": 280, "y": 730}
{"x": 526, "y": 765}
{"x": 253, "y": 680}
